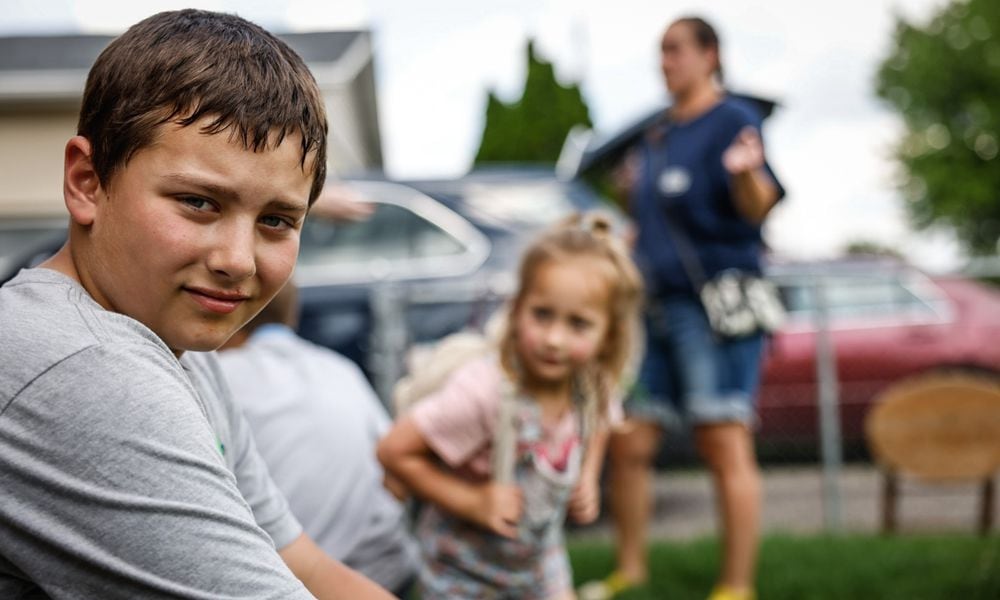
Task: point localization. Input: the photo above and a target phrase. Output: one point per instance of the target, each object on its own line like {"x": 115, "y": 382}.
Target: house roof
{"x": 56, "y": 52}
{"x": 53, "y": 68}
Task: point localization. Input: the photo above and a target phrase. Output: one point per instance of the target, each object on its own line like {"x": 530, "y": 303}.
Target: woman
{"x": 699, "y": 190}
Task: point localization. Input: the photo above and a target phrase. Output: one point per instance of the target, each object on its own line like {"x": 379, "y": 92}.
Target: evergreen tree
{"x": 533, "y": 128}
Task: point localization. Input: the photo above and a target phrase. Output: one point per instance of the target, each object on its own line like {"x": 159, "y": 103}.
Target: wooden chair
{"x": 937, "y": 428}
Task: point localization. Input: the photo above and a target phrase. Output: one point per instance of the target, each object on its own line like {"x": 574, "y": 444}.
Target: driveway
{"x": 793, "y": 503}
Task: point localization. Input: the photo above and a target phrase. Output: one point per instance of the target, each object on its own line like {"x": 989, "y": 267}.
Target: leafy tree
{"x": 944, "y": 79}
{"x": 533, "y": 128}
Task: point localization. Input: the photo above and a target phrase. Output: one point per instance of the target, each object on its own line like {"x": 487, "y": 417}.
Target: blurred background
{"x": 458, "y": 129}
{"x": 435, "y": 62}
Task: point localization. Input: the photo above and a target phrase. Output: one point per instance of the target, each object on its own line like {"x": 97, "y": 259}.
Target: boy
{"x": 126, "y": 469}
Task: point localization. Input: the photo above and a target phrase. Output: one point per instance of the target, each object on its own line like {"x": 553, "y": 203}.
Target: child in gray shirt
{"x": 126, "y": 471}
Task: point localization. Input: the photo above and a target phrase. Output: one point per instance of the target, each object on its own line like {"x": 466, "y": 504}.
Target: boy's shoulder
{"x": 47, "y": 318}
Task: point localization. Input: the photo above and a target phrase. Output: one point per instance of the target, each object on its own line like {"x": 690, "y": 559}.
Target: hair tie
{"x": 596, "y": 223}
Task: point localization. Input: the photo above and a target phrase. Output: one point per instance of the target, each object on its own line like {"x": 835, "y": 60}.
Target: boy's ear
{"x": 81, "y": 185}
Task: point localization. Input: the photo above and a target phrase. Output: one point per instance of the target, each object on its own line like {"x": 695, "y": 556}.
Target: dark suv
{"x": 434, "y": 257}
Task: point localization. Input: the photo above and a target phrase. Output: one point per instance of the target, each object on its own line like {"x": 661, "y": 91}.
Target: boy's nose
{"x": 233, "y": 254}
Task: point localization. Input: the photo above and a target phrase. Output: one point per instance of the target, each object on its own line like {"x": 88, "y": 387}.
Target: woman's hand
{"x": 626, "y": 173}
{"x": 746, "y": 153}
{"x": 754, "y": 191}
{"x": 624, "y": 177}
{"x": 342, "y": 203}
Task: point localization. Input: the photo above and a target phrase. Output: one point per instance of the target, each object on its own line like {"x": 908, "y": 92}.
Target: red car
{"x": 887, "y": 320}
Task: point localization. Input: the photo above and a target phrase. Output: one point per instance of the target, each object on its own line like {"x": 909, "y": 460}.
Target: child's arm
{"x": 395, "y": 487}
{"x": 325, "y": 577}
{"x": 585, "y": 503}
{"x": 404, "y": 454}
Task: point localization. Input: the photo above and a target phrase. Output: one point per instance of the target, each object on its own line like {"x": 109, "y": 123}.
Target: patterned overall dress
{"x": 462, "y": 560}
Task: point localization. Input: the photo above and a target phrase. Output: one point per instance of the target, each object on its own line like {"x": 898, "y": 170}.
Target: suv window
{"x": 391, "y": 233}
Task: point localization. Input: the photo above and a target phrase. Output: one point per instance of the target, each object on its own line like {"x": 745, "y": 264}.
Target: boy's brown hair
{"x": 182, "y": 66}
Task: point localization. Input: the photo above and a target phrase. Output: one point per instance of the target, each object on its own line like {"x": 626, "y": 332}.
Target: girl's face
{"x": 562, "y": 320}
{"x": 685, "y": 64}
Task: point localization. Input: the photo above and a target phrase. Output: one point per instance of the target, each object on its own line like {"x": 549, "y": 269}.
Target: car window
{"x": 856, "y": 296}
{"x": 391, "y": 233}
{"x": 17, "y": 243}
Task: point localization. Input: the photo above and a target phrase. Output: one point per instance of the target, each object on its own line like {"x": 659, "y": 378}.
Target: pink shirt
{"x": 458, "y": 420}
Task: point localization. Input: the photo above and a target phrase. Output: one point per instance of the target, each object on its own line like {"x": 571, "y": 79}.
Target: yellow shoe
{"x": 605, "y": 589}
{"x": 724, "y": 592}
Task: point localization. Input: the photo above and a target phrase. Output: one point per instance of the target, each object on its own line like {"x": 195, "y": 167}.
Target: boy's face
{"x": 195, "y": 234}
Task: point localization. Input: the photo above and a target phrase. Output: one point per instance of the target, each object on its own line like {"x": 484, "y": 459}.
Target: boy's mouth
{"x": 217, "y": 301}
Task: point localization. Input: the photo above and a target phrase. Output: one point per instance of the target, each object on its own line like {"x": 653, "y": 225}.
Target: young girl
{"x": 566, "y": 341}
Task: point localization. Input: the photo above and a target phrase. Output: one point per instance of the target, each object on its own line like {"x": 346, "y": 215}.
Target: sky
{"x": 830, "y": 141}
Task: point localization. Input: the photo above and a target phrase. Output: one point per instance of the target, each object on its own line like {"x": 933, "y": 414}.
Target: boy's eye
{"x": 579, "y": 324}
{"x": 196, "y": 203}
{"x": 277, "y": 222}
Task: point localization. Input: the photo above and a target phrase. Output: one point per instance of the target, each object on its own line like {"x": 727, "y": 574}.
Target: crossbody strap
{"x": 504, "y": 456}
{"x": 685, "y": 249}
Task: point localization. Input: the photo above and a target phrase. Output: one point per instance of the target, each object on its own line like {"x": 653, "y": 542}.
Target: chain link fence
{"x": 853, "y": 329}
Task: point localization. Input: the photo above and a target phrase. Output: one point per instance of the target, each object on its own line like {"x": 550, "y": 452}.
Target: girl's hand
{"x": 585, "y": 502}
{"x": 746, "y": 153}
{"x": 499, "y": 508}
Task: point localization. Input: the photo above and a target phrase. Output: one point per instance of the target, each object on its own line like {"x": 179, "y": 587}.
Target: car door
{"x": 884, "y": 323}
{"x": 347, "y": 272}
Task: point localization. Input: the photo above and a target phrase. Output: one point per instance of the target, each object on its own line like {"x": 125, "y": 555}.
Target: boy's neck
{"x": 62, "y": 262}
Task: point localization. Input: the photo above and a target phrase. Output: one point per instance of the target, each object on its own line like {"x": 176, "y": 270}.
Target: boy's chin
{"x": 206, "y": 344}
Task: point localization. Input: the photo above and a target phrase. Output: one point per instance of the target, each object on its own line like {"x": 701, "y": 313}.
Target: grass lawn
{"x": 817, "y": 568}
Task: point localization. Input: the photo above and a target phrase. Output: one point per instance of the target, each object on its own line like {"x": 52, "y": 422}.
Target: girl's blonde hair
{"x": 589, "y": 236}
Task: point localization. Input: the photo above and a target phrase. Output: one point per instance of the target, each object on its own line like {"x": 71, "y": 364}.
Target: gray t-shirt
{"x": 124, "y": 473}
{"x": 316, "y": 421}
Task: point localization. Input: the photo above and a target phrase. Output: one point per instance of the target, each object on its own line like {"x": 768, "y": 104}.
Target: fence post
{"x": 829, "y": 413}
{"x": 388, "y": 337}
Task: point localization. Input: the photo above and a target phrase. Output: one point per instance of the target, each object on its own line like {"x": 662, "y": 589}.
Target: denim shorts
{"x": 688, "y": 375}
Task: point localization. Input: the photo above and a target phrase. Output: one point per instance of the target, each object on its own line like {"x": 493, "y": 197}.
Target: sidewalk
{"x": 793, "y": 503}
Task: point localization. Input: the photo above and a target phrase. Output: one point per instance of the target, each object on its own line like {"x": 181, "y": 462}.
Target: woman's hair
{"x": 589, "y": 236}
{"x": 706, "y": 38}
